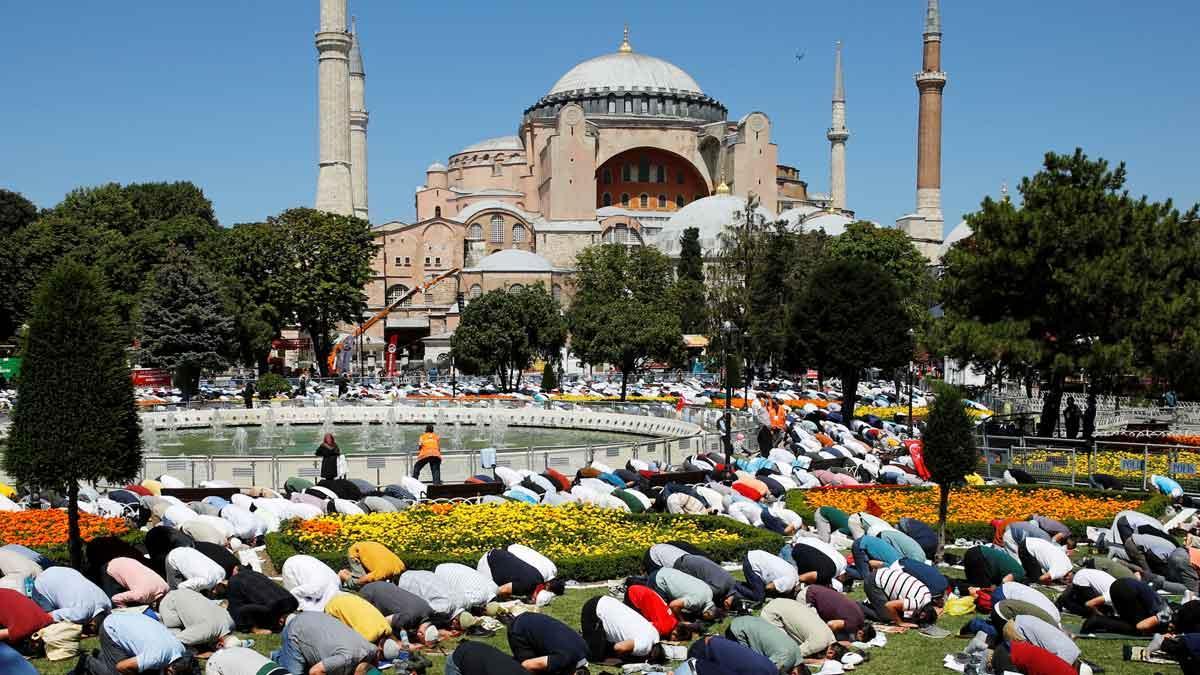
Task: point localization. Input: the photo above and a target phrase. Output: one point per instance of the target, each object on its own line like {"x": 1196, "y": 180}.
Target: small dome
{"x": 507, "y": 143}
{"x": 436, "y": 167}
{"x": 961, "y": 231}
{"x": 795, "y": 216}
{"x": 514, "y": 260}
{"x": 711, "y": 216}
{"x": 625, "y": 71}
{"x": 833, "y": 224}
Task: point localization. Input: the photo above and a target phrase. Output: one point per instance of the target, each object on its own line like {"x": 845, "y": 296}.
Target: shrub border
{"x": 284, "y": 544}
{"x": 1152, "y": 504}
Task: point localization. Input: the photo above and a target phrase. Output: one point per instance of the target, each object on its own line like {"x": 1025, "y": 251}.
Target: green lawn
{"x": 906, "y": 653}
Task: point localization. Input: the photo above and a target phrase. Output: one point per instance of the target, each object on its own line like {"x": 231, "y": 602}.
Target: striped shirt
{"x": 477, "y": 589}
{"x": 900, "y": 585}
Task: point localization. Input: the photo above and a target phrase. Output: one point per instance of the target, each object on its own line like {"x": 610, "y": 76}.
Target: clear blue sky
{"x": 224, "y": 93}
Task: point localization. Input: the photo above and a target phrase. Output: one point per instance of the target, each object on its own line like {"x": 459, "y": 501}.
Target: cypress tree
{"x": 948, "y": 448}
{"x": 75, "y": 418}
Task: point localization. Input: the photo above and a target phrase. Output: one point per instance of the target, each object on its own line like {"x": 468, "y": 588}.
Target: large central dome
{"x": 626, "y": 71}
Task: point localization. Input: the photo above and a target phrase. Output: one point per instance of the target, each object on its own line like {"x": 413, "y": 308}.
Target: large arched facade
{"x": 648, "y": 179}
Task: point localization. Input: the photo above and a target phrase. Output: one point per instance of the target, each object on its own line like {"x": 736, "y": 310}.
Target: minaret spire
{"x": 334, "y": 191}
{"x": 927, "y": 233}
{"x": 358, "y": 125}
{"x": 933, "y": 18}
{"x": 838, "y": 134}
{"x": 625, "y": 47}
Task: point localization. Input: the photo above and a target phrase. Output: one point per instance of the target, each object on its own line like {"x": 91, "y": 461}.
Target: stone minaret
{"x": 334, "y": 191}
{"x": 358, "y": 127}
{"x": 838, "y": 134}
{"x": 930, "y": 83}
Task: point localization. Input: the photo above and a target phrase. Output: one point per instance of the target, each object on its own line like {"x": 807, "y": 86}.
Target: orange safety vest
{"x": 778, "y": 418}
{"x": 429, "y": 446}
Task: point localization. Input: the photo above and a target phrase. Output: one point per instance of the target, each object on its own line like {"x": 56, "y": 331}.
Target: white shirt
{"x": 220, "y": 524}
{"x": 746, "y": 512}
{"x": 539, "y": 561}
{"x": 1017, "y": 591}
{"x": 191, "y": 569}
{"x": 235, "y": 661}
{"x": 476, "y": 588}
{"x": 507, "y": 476}
{"x": 1050, "y": 556}
{"x": 246, "y": 526}
{"x": 621, "y": 622}
{"x": 311, "y": 581}
{"x": 12, "y": 562}
{"x": 348, "y": 507}
{"x": 1097, "y": 580}
{"x": 177, "y": 515}
{"x": 774, "y": 570}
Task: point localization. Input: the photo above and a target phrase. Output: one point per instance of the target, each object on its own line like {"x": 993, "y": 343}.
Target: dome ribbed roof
{"x": 514, "y": 260}
{"x": 625, "y": 71}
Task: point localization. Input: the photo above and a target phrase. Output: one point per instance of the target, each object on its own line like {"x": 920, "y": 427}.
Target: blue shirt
{"x": 68, "y": 595}
{"x": 906, "y": 545}
{"x": 878, "y": 549}
{"x": 140, "y": 636}
{"x": 734, "y": 657}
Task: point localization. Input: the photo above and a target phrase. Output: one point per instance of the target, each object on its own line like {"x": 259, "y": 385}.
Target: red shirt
{"x": 1033, "y": 660}
{"x": 653, "y": 607}
{"x": 747, "y": 491}
{"x": 21, "y": 616}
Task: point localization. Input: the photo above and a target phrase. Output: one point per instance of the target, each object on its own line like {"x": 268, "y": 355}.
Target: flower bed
{"x": 48, "y": 528}
{"x": 586, "y": 542}
{"x": 972, "y": 508}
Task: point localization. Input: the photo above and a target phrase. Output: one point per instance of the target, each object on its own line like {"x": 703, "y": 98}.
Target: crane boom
{"x": 383, "y": 313}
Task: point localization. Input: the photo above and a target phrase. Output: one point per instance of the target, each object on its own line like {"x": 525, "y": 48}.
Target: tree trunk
{"x": 849, "y": 393}
{"x": 943, "y": 508}
{"x": 263, "y": 363}
{"x": 73, "y": 537}
{"x": 624, "y": 383}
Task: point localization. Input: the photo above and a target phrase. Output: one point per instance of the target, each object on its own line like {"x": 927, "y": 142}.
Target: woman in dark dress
{"x": 328, "y": 451}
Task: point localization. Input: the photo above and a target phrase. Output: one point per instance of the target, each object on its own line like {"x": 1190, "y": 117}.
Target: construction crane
{"x": 383, "y": 314}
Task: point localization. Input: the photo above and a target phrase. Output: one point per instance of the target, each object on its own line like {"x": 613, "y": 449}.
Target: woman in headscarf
{"x": 329, "y": 452}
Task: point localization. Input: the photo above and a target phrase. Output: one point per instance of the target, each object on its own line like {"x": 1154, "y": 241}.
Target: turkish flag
{"x": 873, "y": 508}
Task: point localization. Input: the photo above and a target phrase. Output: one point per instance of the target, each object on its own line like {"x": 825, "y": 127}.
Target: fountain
{"x": 499, "y": 427}
{"x": 266, "y": 432}
{"x": 287, "y": 440}
{"x": 366, "y": 438}
{"x": 481, "y": 423}
{"x": 217, "y": 422}
{"x": 456, "y": 435}
{"x": 239, "y": 441}
{"x": 149, "y": 439}
{"x": 172, "y": 424}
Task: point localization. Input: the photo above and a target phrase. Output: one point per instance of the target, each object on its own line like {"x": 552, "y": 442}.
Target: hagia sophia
{"x": 624, "y": 148}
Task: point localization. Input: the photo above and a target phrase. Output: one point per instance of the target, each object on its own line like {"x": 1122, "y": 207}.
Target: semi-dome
{"x": 960, "y": 232}
{"x": 831, "y": 223}
{"x": 626, "y": 71}
{"x": 711, "y": 216}
{"x": 514, "y": 260}
{"x": 503, "y": 143}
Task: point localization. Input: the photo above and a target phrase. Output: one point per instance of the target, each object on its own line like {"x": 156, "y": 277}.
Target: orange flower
{"x": 973, "y": 504}
{"x": 49, "y": 527}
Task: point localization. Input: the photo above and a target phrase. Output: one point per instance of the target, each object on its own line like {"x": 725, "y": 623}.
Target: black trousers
{"x": 593, "y": 630}
{"x": 1033, "y": 569}
{"x": 1074, "y": 599}
{"x": 103, "y": 661}
{"x": 435, "y": 463}
{"x": 978, "y": 569}
{"x": 766, "y": 440}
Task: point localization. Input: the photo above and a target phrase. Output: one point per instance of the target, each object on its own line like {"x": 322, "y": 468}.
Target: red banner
{"x": 151, "y": 377}
{"x": 291, "y": 344}
{"x": 393, "y": 348}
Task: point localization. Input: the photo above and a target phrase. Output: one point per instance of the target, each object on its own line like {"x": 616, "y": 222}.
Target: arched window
{"x": 518, "y": 235}
{"x": 680, "y": 202}
{"x": 475, "y": 232}
{"x": 497, "y": 229}
{"x": 606, "y": 199}
{"x": 662, "y": 174}
{"x": 626, "y": 173}
{"x": 662, "y": 201}
{"x": 625, "y": 199}
{"x": 679, "y": 177}
{"x": 628, "y": 105}
{"x": 476, "y": 291}
{"x": 556, "y": 292}
{"x": 653, "y": 173}
{"x": 437, "y": 212}
{"x": 644, "y": 200}
{"x": 612, "y": 106}
{"x": 606, "y": 176}
{"x": 516, "y": 287}
{"x": 395, "y": 292}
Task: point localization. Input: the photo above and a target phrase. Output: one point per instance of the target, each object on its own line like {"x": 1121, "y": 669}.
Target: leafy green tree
{"x": 892, "y": 250}
{"x": 73, "y": 345}
{"x": 948, "y": 446}
{"x": 502, "y": 332}
{"x": 825, "y": 325}
{"x": 184, "y": 324}
{"x": 15, "y": 212}
{"x": 622, "y": 311}
{"x": 689, "y": 291}
{"x": 248, "y": 256}
{"x": 326, "y": 264}
{"x": 1081, "y": 277}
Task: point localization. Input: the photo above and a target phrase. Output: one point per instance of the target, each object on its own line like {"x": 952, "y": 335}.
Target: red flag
{"x": 679, "y": 405}
{"x": 873, "y": 508}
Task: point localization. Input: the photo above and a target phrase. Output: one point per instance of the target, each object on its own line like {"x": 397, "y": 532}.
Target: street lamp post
{"x": 727, "y": 329}
{"x": 911, "y": 426}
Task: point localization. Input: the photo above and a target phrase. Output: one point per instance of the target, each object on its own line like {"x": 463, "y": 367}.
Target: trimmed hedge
{"x": 284, "y": 544}
{"x": 61, "y": 553}
{"x": 1152, "y": 504}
